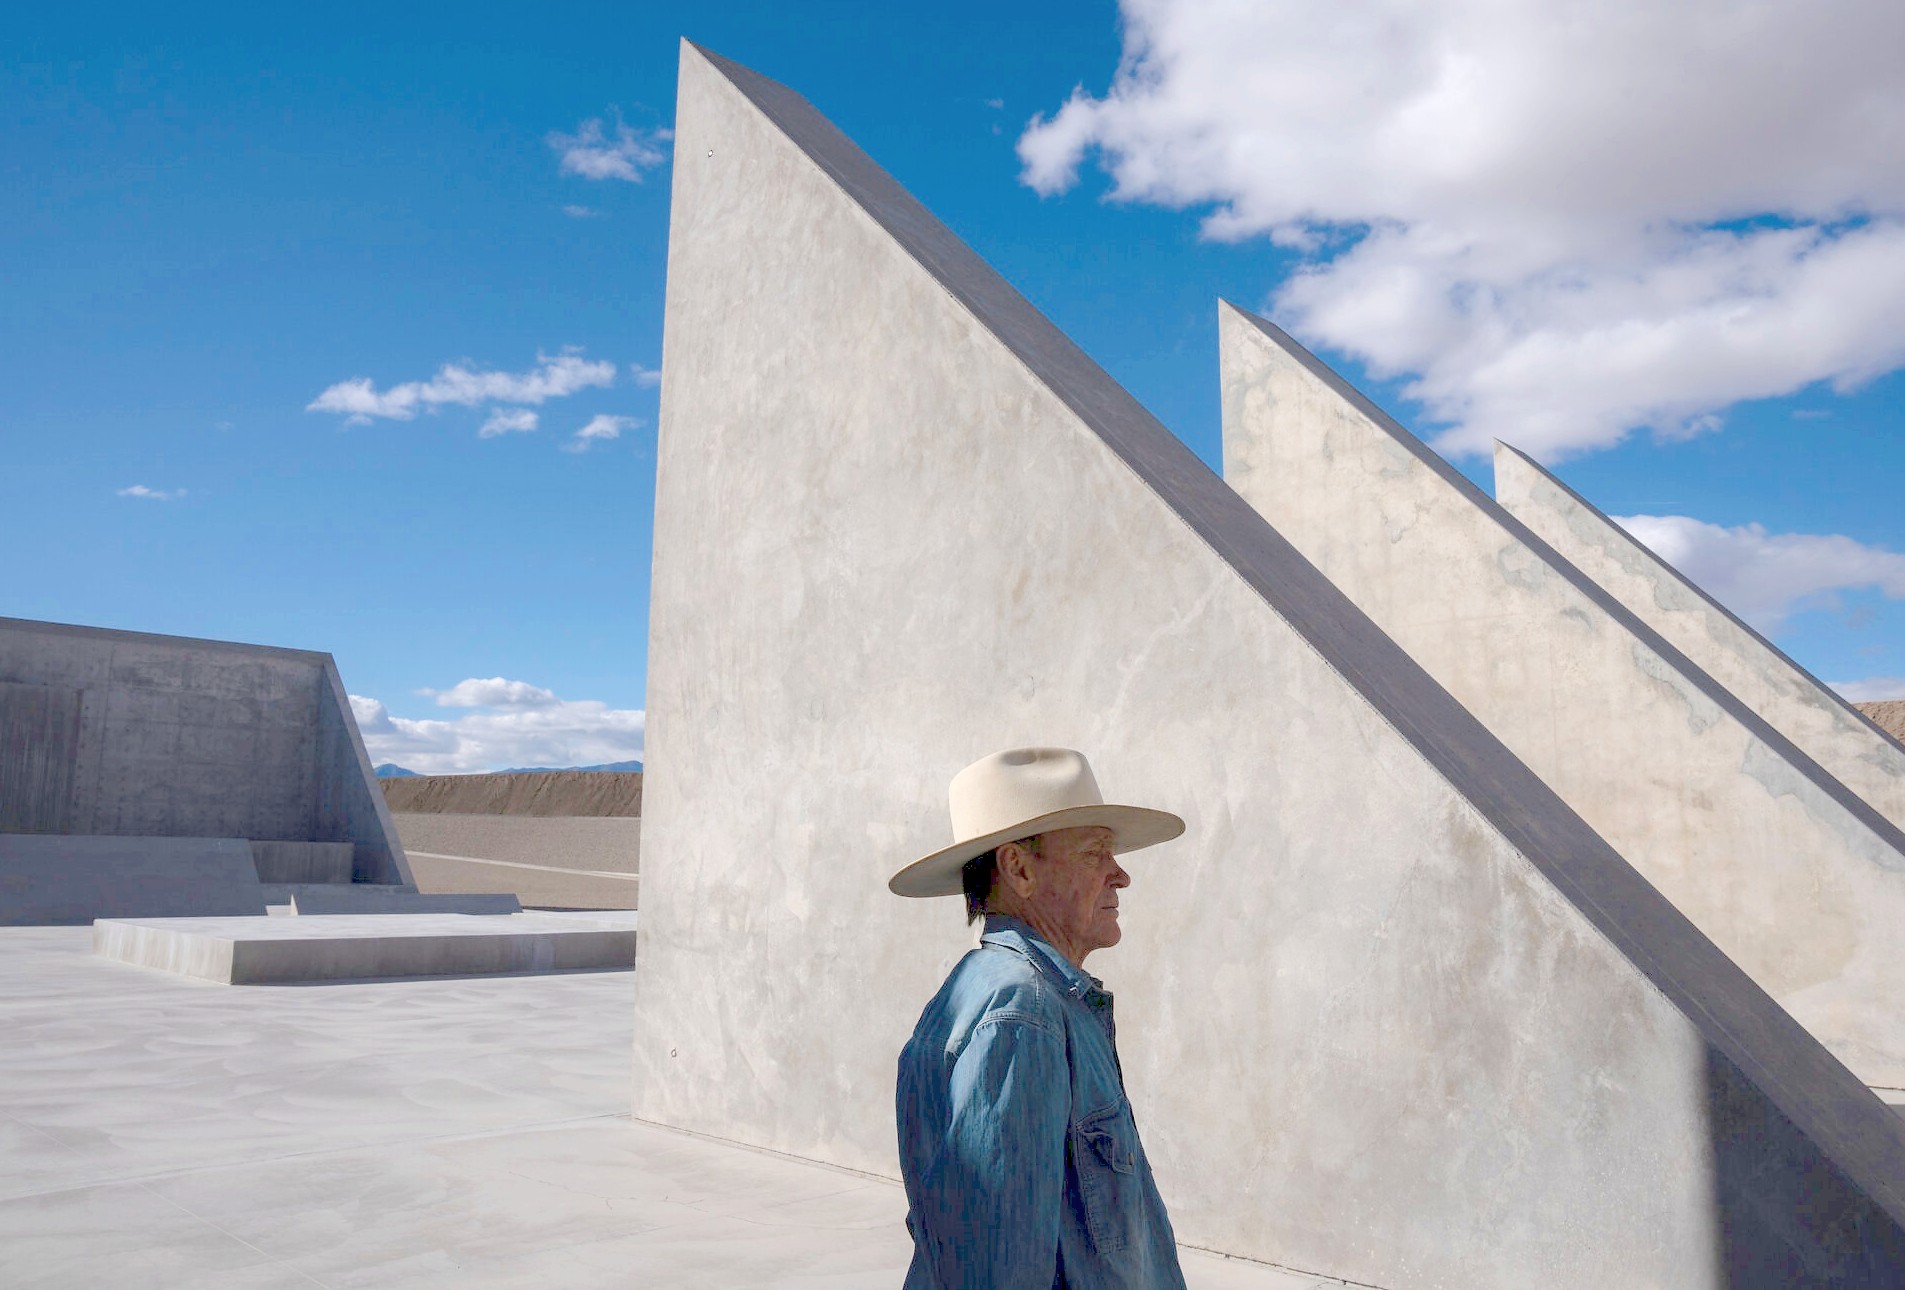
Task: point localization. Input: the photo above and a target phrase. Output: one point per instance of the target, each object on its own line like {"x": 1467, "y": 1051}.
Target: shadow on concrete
{"x": 1786, "y": 1215}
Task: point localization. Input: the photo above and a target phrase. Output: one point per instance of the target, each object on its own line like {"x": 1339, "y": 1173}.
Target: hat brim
{"x": 1132, "y": 829}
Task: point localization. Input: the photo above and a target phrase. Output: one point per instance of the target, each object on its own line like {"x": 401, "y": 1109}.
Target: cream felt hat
{"x": 1017, "y": 793}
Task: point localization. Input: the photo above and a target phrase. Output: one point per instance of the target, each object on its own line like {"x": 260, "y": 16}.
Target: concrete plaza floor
{"x": 159, "y": 1131}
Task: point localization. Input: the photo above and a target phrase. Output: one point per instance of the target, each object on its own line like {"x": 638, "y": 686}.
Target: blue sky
{"x": 215, "y": 215}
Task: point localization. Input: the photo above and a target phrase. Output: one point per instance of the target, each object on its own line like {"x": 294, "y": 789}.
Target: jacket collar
{"x": 1010, "y": 933}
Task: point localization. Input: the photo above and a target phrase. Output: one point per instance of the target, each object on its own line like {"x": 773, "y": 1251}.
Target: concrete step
{"x": 303, "y": 862}
{"x": 365, "y": 899}
{"x": 48, "y": 878}
{"x": 285, "y": 893}
{"x": 262, "y": 950}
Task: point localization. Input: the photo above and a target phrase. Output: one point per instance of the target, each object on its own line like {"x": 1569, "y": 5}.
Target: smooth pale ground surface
{"x": 163, "y": 1132}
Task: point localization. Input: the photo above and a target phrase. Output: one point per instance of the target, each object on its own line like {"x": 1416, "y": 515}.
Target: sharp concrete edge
{"x": 1806, "y": 1084}
{"x": 1850, "y": 709}
{"x": 156, "y": 638}
{"x": 1854, "y": 805}
{"x": 340, "y": 700}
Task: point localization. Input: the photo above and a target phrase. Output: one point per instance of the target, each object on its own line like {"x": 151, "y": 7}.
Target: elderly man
{"x": 1022, "y": 1162}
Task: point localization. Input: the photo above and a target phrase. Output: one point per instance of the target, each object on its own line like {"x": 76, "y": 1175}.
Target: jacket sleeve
{"x": 994, "y": 1206}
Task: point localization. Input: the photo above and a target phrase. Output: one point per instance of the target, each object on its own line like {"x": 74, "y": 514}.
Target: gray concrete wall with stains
{"x": 1845, "y": 742}
{"x": 131, "y": 734}
{"x": 1389, "y": 1011}
{"x": 1797, "y": 878}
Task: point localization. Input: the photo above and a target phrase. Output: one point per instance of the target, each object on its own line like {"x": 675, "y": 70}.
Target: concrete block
{"x": 1796, "y": 877}
{"x": 1390, "y": 1010}
{"x": 265, "y": 950}
{"x": 1836, "y": 735}
{"x": 303, "y": 862}
{"x": 55, "y": 878}
{"x": 192, "y": 738}
{"x": 366, "y": 899}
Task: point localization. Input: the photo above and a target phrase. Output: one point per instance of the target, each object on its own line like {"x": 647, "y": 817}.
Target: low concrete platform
{"x": 49, "y": 878}
{"x": 440, "y": 1132}
{"x": 249, "y": 951}
{"x": 367, "y": 899}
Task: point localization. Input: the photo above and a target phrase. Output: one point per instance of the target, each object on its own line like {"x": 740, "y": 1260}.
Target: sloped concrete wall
{"x": 1795, "y": 877}
{"x": 1843, "y": 740}
{"x": 191, "y": 738}
{"x": 1388, "y": 1011}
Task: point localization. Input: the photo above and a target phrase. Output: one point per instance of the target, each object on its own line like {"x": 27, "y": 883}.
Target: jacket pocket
{"x": 1105, "y": 1154}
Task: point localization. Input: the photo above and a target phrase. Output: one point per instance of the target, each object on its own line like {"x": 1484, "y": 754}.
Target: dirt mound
{"x": 1888, "y": 715}
{"x": 562, "y": 792}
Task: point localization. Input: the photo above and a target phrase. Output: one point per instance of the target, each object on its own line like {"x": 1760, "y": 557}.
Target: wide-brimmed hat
{"x": 1018, "y": 793}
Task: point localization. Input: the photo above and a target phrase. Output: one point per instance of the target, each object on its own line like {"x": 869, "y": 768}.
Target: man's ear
{"x": 1015, "y": 869}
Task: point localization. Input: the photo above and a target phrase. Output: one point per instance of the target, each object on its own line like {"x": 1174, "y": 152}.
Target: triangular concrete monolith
{"x": 1389, "y": 1011}
{"x": 1843, "y": 740}
{"x": 1797, "y": 878}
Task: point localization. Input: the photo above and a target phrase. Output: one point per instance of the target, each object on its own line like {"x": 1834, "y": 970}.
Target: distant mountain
{"x": 550, "y": 770}
{"x": 391, "y": 770}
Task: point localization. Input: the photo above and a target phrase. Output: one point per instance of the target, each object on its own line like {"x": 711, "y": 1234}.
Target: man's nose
{"x": 1119, "y": 878}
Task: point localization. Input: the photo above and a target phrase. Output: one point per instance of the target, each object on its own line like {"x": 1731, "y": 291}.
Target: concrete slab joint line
{"x": 1797, "y": 877}
{"x": 1845, "y": 742}
{"x": 1390, "y": 1010}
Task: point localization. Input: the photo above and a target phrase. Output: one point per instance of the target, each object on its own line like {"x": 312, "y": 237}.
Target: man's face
{"x": 1076, "y": 896}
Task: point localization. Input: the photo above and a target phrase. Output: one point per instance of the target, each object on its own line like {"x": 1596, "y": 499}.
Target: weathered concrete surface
{"x": 1841, "y": 739}
{"x": 266, "y": 950}
{"x": 50, "y": 878}
{"x": 1389, "y": 1011}
{"x": 362, "y": 898}
{"x": 303, "y": 862}
{"x": 471, "y": 1132}
{"x": 1801, "y": 882}
{"x": 175, "y": 737}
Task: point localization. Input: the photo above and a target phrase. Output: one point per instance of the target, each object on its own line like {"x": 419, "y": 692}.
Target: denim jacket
{"x": 1022, "y": 1163}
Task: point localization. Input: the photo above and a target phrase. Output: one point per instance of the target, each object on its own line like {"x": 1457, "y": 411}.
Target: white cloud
{"x": 1763, "y": 577}
{"x": 152, "y": 494}
{"x": 600, "y": 429}
{"x": 591, "y": 153}
{"x": 492, "y": 692}
{"x": 556, "y": 733}
{"x": 506, "y": 421}
{"x": 581, "y": 212}
{"x": 1873, "y": 689}
{"x": 552, "y": 378}
{"x": 1562, "y": 223}
{"x": 646, "y": 377}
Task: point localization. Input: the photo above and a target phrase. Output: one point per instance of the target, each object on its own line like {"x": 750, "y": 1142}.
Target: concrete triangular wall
{"x": 1388, "y": 1011}
{"x": 1792, "y": 874}
{"x": 1843, "y": 740}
